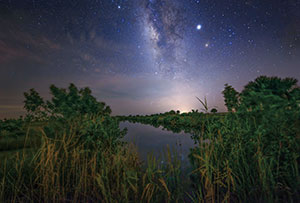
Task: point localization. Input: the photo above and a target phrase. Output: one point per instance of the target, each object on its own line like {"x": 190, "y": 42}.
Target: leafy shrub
{"x": 74, "y": 111}
{"x": 253, "y": 154}
{"x": 65, "y": 103}
{"x": 231, "y": 98}
{"x": 12, "y": 127}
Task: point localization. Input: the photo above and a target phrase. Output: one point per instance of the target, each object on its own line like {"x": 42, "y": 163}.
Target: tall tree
{"x": 65, "y": 103}
{"x": 266, "y": 91}
{"x": 231, "y": 97}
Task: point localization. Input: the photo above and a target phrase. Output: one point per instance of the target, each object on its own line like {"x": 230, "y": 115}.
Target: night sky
{"x": 144, "y": 56}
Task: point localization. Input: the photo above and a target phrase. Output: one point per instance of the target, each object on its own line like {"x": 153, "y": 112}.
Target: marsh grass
{"x": 242, "y": 162}
{"x": 251, "y": 157}
{"x": 63, "y": 170}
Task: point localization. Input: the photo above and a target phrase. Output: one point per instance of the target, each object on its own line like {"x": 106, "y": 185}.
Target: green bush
{"x": 74, "y": 111}
{"x": 253, "y": 154}
{"x": 65, "y": 103}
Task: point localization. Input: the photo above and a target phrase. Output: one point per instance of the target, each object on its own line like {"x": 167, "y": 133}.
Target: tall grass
{"x": 63, "y": 170}
{"x": 251, "y": 156}
{"x": 244, "y": 161}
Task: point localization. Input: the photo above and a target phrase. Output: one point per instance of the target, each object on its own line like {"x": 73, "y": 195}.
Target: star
{"x": 199, "y": 27}
{"x": 206, "y": 45}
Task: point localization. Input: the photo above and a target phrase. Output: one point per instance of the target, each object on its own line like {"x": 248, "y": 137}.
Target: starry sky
{"x": 144, "y": 56}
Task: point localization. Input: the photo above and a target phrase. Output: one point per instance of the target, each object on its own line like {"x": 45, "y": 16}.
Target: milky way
{"x": 164, "y": 28}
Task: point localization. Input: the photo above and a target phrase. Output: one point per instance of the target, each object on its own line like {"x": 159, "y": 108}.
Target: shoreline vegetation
{"x": 70, "y": 149}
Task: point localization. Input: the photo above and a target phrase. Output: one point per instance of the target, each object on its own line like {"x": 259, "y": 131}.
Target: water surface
{"x": 149, "y": 139}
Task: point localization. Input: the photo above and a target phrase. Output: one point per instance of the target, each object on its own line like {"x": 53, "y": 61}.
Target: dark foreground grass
{"x": 60, "y": 171}
{"x": 245, "y": 161}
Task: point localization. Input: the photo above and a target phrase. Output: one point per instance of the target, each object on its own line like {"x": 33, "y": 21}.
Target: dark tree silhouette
{"x": 65, "y": 103}
{"x": 231, "y": 98}
{"x": 265, "y": 91}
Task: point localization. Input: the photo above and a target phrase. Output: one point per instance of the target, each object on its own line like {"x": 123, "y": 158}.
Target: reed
{"x": 64, "y": 170}
{"x": 250, "y": 157}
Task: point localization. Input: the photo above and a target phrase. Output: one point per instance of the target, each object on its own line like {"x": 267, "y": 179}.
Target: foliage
{"x": 101, "y": 132}
{"x": 274, "y": 85}
{"x": 254, "y": 153}
{"x": 34, "y": 105}
{"x": 62, "y": 171}
{"x": 267, "y": 92}
{"x": 263, "y": 92}
{"x": 11, "y": 127}
{"x": 65, "y": 103}
{"x": 204, "y": 104}
{"x": 231, "y": 98}
{"x": 75, "y": 111}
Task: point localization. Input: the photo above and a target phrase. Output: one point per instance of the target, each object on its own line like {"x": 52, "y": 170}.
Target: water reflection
{"x": 149, "y": 139}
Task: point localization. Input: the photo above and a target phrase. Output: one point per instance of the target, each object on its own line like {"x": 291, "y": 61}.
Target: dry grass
{"x": 62, "y": 170}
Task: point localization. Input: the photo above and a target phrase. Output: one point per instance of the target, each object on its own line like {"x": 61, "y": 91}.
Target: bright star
{"x": 199, "y": 27}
